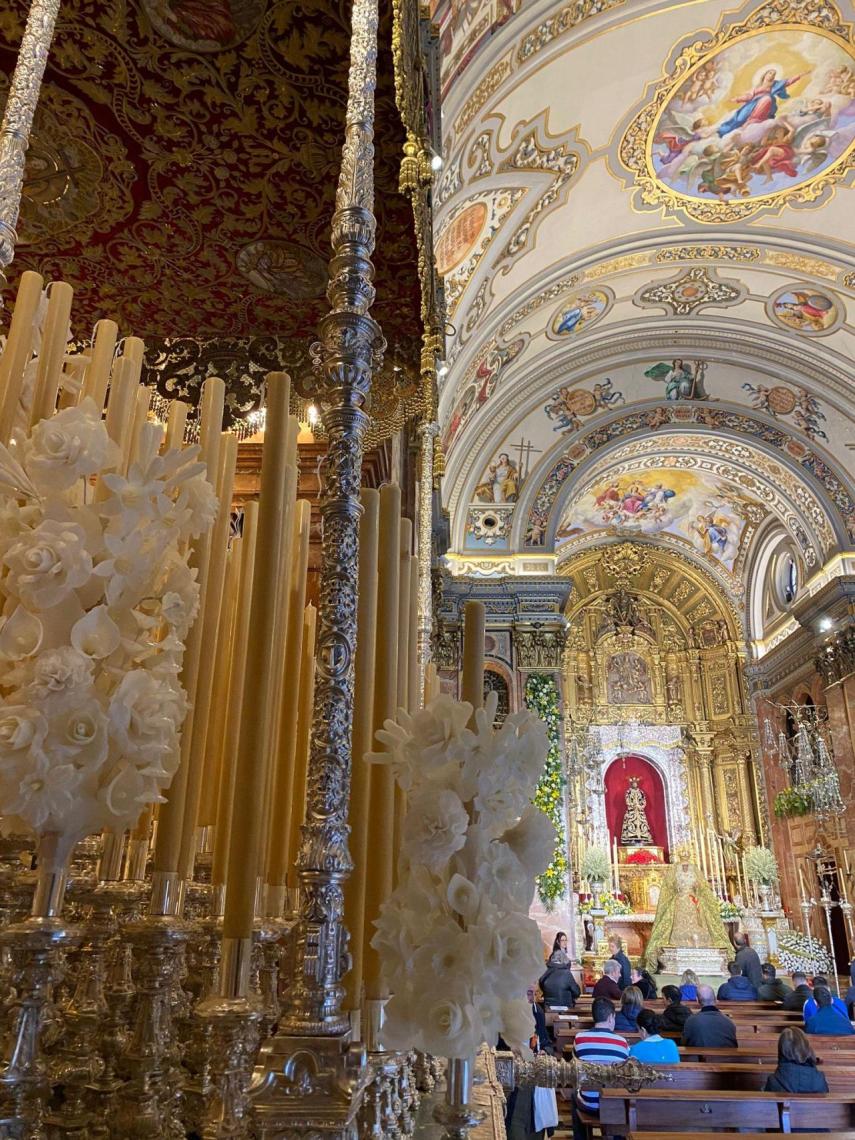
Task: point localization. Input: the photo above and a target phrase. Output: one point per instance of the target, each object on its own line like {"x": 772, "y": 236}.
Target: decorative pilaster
{"x": 18, "y": 120}
{"x": 310, "y": 1078}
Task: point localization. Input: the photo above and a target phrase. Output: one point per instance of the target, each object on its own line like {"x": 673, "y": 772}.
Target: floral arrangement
{"x": 729, "y": 911}
{"x": 792, "y": 802}
{"x": 455, "y": 941}
{"x": 596, "y": 866}
{"x": 642, "y": 857}
{"x": 798, "y": 951}
{"x": 96, "y": 598}
{"x": 541, "y": 696}
{"x": 760, "y": 866}
{"x": 613, "y": 904}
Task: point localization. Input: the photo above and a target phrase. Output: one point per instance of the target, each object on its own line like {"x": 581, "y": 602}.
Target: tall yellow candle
{"x": 285, "y": 785}
{"x": 52, "y": 352}
{"x": 304, "y": 733}
{"x": 403, "y": 669}
{"x": 176, "y": 423}
{"x": 474, "y": 628}
{"x": 170, "y": 824}
{"x": 225, "y": 795}
{"x": 209, "y": 619}
{"x": 381, "y": 817}
{"x": 97, "y": 374}
{"x": 252, "y": 757}
{"x": 18, "y": 351}
{"x": 363, "y": 722}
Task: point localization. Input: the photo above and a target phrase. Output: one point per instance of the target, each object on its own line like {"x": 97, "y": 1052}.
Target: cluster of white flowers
{"x": 96, "y": 599}
{"x": 797, "y": 951}
{"x": 456, "y": 943}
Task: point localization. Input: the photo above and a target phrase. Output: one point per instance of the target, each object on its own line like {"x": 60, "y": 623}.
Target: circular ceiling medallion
{"x": 459, "y": 236}
{"x": 204, "y": 25}
{"x": 283, "y": 267}
{"x": 805, "y": 309}
{"x": 580, "y": 311}
{"x": 781, "y": 400}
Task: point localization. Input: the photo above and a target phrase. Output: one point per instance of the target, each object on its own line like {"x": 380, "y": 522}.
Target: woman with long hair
{"x": 559, "y": 955}
{"x": 797, "y": 1066}
{"x": 631, "y": 1005}
{"x": 689, "y": 986}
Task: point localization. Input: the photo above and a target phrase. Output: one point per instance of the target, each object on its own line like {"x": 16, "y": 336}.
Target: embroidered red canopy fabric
{"x": 650, "y": 782}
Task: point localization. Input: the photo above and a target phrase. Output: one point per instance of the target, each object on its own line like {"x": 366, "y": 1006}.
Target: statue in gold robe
{"x": 636, "y": 829}
{"x": 687, "y": 913}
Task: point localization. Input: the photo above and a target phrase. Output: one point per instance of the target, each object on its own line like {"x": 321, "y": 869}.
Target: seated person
{"x": 609, "y": 984}
{"x": 631, "y": 1004}
{"x": 642, "y": 980}
{"x": 800, "y": 992}
{"x": 796, "y": 1071}
{"x": 773, "y": 987}
{"x": 736, "y": 988}
{"x": 675, "y": 1015}
{"x": 602, "y": 1046}
{"x": 850, "y": 993}
{"x": 689, "y": 985}
{"x": 653, "y": 1048}
{"x": 827, "y": 1020}
{"x": 558, "y": 986}
{"x": 709, "y": 1026}
{"x": 809, "y": 1008}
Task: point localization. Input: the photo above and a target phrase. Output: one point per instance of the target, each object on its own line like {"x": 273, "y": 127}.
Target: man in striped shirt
{"x": 603, "y": 1046}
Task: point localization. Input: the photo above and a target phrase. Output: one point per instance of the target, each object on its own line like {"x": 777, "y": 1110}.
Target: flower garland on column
{"x": 541, "y": 697}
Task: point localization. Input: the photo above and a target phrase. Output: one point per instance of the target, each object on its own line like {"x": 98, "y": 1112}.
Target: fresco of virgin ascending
{"x": 764, "y": 115}
{"x": 760, "y": 116}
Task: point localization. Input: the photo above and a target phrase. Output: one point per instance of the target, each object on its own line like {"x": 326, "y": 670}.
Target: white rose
{"x": 500, "y": 873}
{"x": 78, "y": 735}
{"x": 68, "y": 446}
{"x": 517, "y": 1022}
{"x": 435, "y": 827}
{"x": 45, "y": 793}
{"x": 47, "y": 563}
{"x": 448, "y": 952}
{"x": 146, "y": 713}
{"x": 22, "y": 734}
{"x": 451, "y": 1025}
{"x": 513, "y": 949}
{"x": 59, "y": 671}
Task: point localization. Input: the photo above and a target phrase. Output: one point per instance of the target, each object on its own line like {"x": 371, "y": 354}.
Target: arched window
{"x": 494, "y": 682}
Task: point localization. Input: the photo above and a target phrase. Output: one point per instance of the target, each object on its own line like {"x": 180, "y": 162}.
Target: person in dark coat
{"x": 608, "y": 986}
{"x": 796, "y": 1071}
{"x": 828, "y": 1021}
{"x": 631, "y": 1005}
{"x": 850, "y": 993}
{"x": 801, "y": 992}
{"x": 617, "y": 955}
{"x": 642, "y": 980}
{"x": 749, "y": 961}
{"x": 736, "y": 988}
{"x": 519, "y": 1110}
{"x": 675, "y": 1015}
{"x": 558, "y": 986}
{"x": 709, "y": 1026}
{"x": 773, "y": 988}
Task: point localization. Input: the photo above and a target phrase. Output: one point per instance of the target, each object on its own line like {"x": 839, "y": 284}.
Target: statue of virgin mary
{"x": 687, "y": 913}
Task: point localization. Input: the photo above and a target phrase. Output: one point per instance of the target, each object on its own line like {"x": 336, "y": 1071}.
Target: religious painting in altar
{"x": 628, "y": 679}
{"x": 760, "y": 114}
{"x": 700, "y": 509}
{"x": 635, "y": 796}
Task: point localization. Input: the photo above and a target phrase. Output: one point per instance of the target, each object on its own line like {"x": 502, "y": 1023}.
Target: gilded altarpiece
{"x": 654, "y": 666}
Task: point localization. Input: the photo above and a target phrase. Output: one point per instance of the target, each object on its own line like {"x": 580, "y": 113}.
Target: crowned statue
{"x": 636, "y": 830}
{"x": 687, "y": 918}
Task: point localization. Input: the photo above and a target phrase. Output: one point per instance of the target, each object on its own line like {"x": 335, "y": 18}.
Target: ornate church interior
{"x": 427, "y": 569}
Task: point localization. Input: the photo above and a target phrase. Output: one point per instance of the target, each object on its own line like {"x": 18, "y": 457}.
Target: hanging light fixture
{"x": 807, "y": 757}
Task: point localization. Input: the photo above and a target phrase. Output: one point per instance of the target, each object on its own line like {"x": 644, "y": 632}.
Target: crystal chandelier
{"x": 805, "y": 754}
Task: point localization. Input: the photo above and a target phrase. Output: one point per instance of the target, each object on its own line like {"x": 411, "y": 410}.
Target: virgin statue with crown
{"x": 687, "y": 914}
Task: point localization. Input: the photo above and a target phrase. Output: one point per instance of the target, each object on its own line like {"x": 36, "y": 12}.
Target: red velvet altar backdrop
{"x": 650, "y": 782}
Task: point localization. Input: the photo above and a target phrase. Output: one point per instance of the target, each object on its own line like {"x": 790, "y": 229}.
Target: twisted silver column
{"x": 18, "y": 120}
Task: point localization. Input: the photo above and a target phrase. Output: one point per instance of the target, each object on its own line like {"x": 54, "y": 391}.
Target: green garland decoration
{"x": 541, "y": 697}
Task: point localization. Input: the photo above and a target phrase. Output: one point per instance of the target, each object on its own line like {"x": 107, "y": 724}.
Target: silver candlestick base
{"x": 457, "y": 1113}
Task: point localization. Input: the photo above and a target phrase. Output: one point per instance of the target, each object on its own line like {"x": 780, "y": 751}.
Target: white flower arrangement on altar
{"x": 797, "y": 951}
{"x": 760, "y": 866}
{"x": 96, "y": 599}
{"x": 457, "y": 946}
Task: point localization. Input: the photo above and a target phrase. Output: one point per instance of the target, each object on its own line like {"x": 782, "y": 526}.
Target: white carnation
{"x": 435, "y": 826}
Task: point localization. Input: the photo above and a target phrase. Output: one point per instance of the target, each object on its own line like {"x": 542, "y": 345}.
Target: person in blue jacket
{"x": 653, "y": 1048}
{"x": 827, "y": 1020}
{"x": 736, "y": 988}
{"x": 810, "y": 1007}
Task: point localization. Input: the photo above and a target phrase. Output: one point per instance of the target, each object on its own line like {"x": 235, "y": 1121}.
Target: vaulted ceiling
{"x": 645, "y": 227}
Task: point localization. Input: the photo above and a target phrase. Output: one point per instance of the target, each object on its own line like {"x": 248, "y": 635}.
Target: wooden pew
{"x": 830, "y": 1050}
{"x": 744, "y": 1077}
{"x": 644, "y": 1135}
{"x": 718, "y": 1109}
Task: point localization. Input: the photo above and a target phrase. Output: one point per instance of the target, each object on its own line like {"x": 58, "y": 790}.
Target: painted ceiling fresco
{"x": 694, "y": 267}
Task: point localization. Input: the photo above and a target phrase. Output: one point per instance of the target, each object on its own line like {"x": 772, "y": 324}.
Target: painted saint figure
{"x": 761, "y": 103}
{"x": 636, "y": 828}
